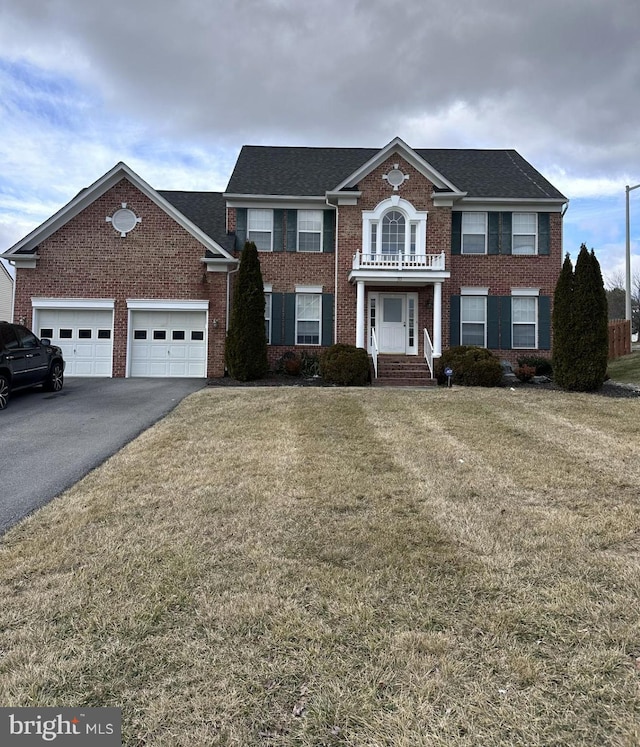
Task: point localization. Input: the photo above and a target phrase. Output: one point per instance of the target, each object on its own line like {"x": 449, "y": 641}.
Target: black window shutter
{"x": 544, "y": 233}
{"x": 241, "y": 228}
{"x": 289, "y": 318}
{"x": 327, "y": 319}
{"x": 456, "y": 233}
{"x": 278, "y": 219}
{"x": 276, "y": 318}
{"x": 506, "y": 223}
{"x": 454, "y": 326}
{"x": 544, "y": 323}
{"x": 494, "y": 233}
{"x": 505, "y": 323}
{"x": 328, "y": 231}
{"x": 292, "y": 230}
{"x": 493, "y": 322}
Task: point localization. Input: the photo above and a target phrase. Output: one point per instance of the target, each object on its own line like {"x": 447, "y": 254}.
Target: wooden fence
{"x": 619, "y": 338}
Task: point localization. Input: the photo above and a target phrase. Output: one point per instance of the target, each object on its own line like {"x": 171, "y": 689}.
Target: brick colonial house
{"x": 403, "y": 252}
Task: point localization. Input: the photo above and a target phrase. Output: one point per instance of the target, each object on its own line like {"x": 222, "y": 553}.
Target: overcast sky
{"x": 174, "y": 89}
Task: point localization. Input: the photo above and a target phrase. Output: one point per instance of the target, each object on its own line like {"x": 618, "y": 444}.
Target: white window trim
{"x": 525, "y": 291}
{"x": 309, "y": 293}
{"x": 535, "y": 320}
{"x": 258, "y": 230}
{"x": 473, "y": 291}
{"x": 475, "y": 294}
{"x": 411, "y": 216}
{"x": 308, "y": 289}
{"x": 514, "y": 234}
{"x": 299, "y": 231}
{"x": 486, "y": 233}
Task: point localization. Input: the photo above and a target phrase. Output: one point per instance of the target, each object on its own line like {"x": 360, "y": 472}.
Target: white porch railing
{"x": 428, "y": 352}
{"x": 398, "y": 261}
{"x": 374, "y": 352}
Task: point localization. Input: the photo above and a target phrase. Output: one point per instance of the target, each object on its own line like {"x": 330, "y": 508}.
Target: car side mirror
{"x": 46, "y": 342}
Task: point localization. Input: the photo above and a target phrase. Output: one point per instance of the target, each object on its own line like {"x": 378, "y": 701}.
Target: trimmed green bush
{"x": 472, "y": 366}
{"x": 345, "y": 365}
{"x": 541, "y": 365}
{"x": 246, "y": 345}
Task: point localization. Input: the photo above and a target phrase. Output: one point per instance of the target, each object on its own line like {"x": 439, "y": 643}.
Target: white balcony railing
{"x": 382, "y": 261}
{"x": 428, "y": 351}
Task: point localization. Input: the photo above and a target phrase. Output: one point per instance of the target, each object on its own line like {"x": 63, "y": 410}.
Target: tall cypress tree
{"x": 591, "y": 323}
{"x": 246, "y": 345}
{"x": 562, "y": 324}
{"x": 580, "y": 326}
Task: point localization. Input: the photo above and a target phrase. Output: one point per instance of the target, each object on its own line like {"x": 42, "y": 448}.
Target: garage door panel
{"x": 85, "y": 337}
{"x": 174, "y": 344}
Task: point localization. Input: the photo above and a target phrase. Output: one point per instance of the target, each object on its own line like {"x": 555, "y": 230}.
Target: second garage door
{"x": 84, "y": 336}
{"x": 168, "y": 343}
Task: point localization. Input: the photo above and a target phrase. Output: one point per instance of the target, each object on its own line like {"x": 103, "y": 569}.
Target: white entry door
{"x": 393, "y": 324}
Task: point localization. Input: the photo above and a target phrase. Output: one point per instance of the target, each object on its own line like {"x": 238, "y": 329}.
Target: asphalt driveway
{"x": 49, "y": 441}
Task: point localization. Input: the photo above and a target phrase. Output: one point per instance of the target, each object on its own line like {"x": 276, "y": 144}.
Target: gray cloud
{"x": 560, "y": 81}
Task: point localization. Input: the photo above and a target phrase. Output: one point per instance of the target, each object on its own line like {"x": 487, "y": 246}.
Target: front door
{"x": 393, "y": 324}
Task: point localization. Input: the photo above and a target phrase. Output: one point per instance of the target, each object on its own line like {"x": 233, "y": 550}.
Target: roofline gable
{"x": 397, "y": 145}
{"x": 90, "y": 194}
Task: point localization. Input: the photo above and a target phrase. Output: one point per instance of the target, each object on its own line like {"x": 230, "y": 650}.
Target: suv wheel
{"x": 55, "y": 379}
{"x": 4, "y": 391}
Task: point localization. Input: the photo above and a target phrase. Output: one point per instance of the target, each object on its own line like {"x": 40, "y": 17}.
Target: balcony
{"x": 396, "y": 262}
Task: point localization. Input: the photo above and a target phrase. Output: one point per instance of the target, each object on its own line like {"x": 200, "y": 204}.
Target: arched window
{"x": 393, "y": 232}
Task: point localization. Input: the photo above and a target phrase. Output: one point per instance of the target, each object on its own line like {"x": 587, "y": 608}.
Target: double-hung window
{"x": 308, "y": 318}
{"x": 310, "y": 230}
{"x": 260, "y": 228}
{"x": 473, "y": 320}
{"x": 524, "y": 315}
{"x": 525, "y": 229}
{"x": 474, "y": 233}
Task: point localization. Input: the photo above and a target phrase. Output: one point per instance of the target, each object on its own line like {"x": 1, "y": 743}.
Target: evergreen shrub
{"x": 345, "y": 365}
{"x": 471, "y": 365}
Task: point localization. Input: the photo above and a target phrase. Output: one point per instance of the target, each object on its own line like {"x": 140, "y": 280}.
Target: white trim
{"x": 164, "y": 304}
{"x": 286, "y": 202}
{"x": 467, "y": 290}
{"x": 514, "y": 205}
{"x": 411, "y": 216}
{"x": 73, "y": 303}
{"x": 397, "y": 147}
{"x": 308, "y": 289}
{"x": 525, "y": 291}
{"x": 89, "y": 195}
{"x": 268, "y": 287}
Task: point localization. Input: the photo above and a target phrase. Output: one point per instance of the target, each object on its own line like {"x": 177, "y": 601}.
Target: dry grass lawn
{"x": 307, "y": 567}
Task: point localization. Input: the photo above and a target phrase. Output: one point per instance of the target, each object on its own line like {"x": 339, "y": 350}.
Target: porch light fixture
{"x": 628, "y": 258}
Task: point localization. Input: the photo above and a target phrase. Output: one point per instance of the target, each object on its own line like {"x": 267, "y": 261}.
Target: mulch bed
{"x": 609, "y": 389}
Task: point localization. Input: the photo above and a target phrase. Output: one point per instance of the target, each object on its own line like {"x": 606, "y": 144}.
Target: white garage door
{"x": 85, "y": 336}
{"x": 168, "y": 343}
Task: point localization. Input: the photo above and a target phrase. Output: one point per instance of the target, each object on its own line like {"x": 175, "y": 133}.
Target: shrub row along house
{"x": 403, "y": 252}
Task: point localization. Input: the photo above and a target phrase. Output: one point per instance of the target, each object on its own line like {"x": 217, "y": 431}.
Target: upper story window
{"x": 310, "y": 230}
{"x": 260, "y": 228}
{"x": 394, "y": 227}
{"x": 474, "y": 233}
{"x": 525, "y": 229}
{"x": 393, "y": 233}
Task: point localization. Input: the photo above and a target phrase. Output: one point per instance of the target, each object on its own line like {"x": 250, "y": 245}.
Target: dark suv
{"x": 27, "y": 361}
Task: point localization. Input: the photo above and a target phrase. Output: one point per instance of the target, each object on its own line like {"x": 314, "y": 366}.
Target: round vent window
{"x": 124, "y": 220}
{"x": 395, "y": 177}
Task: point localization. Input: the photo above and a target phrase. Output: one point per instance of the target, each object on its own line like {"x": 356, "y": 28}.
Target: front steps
{"x": 403, "y": 370}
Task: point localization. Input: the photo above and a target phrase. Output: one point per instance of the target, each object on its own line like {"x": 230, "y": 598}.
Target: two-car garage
{"x": 164, "y": 338}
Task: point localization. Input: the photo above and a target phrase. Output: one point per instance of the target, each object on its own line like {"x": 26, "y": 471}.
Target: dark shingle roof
{"x": 207, "y": 210}
{"x": 266, "y": 170}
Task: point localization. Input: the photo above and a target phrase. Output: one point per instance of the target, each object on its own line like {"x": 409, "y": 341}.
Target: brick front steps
{"x": 401, "y": 370}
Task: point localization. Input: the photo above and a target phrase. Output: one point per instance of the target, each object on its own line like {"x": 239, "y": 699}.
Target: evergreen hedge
{"x": 246, "y": 345}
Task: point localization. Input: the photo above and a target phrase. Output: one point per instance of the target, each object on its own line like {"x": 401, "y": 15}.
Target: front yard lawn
{"x": 626, "y": 369}
{"x": 307, "y": 567}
